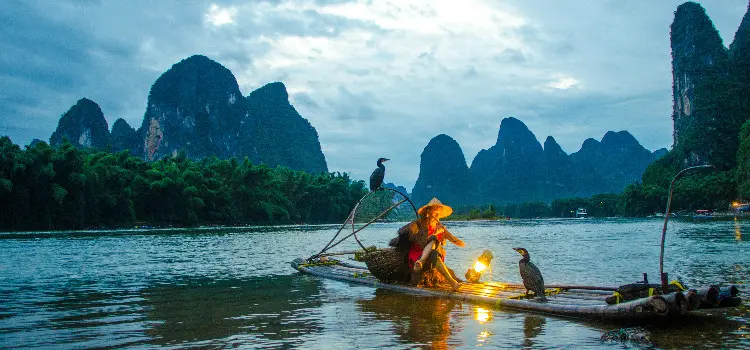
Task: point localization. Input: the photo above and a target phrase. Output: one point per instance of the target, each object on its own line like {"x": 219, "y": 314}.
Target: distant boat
{"x": 581, "y": 213}
{"x": 702, "y": 214}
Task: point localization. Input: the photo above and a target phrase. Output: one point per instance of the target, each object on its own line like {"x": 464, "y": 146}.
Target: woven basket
{"x": 387, "y": 264}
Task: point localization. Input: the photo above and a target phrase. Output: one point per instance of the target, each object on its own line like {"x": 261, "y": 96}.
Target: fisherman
{"x": 425, "y": 239}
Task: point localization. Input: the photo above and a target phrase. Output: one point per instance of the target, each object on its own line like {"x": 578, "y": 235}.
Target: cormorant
{"x": 530, "y": 274}
{"x": 376, "y": 179}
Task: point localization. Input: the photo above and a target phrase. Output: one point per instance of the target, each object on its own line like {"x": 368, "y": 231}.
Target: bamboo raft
{"x": 587, "y": 302}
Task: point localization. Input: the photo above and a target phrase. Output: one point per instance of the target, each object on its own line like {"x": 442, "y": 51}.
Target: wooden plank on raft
{"x": 493, "y": 291}
{"x": 584, "y": 302}
{"x": 489, "y": 290}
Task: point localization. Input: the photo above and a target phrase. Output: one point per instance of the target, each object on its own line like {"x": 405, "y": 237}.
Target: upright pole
{"x": 663, "y": 276}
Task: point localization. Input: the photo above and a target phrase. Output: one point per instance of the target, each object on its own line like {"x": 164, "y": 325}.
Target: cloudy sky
{"x": 375, "y": 78}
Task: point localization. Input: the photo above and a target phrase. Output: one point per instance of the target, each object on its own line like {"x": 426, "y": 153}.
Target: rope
{"x": 618, "y": 297}
{"x": 679, "y": 285}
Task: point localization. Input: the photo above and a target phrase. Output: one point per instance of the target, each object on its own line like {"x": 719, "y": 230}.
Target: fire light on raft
{"x": 474, "y": 273}
{"x": 479, "y": 267}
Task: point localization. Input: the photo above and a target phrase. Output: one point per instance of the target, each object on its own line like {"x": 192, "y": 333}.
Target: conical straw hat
{"x": 439, "y": 208}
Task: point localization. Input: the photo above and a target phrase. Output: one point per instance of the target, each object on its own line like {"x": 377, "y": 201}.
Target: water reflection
{"x": 415, "y": 319}
{"x": 273, "y": 309}
{"x": 222, "y": 287}
{"x": 482, "y": 315}
{"x": 737, "y": 231}
{"x": 720, "y": 328}
{"x": 533, "y": 325}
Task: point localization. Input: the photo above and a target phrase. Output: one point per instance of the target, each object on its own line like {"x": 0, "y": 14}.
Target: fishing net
{"x": 382, "y": 206}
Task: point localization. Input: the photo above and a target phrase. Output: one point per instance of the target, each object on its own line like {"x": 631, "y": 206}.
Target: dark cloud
{"x": 36, "y": 49}
{"x": 354, "y": 106}
{"x": 304, "y": 100}
{"x": 375, "y": 79}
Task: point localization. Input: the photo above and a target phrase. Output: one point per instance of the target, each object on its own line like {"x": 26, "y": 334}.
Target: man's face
{"x": 431, "y": 215}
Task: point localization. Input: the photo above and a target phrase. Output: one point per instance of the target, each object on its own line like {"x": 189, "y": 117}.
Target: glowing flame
{"x": 479, "y": 267}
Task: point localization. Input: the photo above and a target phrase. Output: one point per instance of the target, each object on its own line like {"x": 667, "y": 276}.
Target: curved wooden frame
{"x": 350, "y": 218}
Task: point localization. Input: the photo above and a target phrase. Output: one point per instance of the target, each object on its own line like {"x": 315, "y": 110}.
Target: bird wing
{"x": 376, "y": 178}
{"x": 536, "y": 272}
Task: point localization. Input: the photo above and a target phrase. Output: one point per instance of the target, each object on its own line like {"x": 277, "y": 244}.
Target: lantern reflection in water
{"x": 484, "y": 336}
{"x": 737, "y": 231}
{"x": 482, "y": 315}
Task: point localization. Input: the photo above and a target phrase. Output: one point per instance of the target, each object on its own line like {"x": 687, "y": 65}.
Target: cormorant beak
{"x": 385, "y": 159}
{"x": 519, "y": 250}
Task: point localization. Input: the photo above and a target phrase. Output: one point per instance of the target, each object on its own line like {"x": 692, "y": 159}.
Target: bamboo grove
{"x": 46, "y": 188}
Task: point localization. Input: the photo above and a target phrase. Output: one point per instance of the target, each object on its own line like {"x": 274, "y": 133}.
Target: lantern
{"x": 474, "y": 273}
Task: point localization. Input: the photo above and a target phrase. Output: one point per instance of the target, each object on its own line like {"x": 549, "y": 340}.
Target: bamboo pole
{"x": 709, "y": 297}
{"x": 693, "y": 301}
{"x": 677, "y": 302}
{"x": 561, "y": 286}
{"x": 731, "y": 291}
{"x": 730, "y": 301}
{"x": 583, "y": 303}
{"x": 664, "y": 279}
{"x": 655, "y": 306}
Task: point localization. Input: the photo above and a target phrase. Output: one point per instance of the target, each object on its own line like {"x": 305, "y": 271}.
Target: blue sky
{"x": 375, "y": 78}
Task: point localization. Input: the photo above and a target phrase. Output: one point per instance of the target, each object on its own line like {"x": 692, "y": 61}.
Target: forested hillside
{"x": 42, "y": 187}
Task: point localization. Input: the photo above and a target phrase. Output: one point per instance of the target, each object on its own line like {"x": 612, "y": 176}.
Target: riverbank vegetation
{"x": 46, "y": 188}
{"x": 600, "y": 205}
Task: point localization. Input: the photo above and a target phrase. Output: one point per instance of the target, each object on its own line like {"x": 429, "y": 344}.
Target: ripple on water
{"x": 226, "y": 287}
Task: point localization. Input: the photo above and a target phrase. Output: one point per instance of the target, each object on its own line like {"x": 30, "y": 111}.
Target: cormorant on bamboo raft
{"x": 563, "y": 300}
{"x": 377, "y": 176}
{"x": 630, "y": 302}
{"x": 530, "y": 274}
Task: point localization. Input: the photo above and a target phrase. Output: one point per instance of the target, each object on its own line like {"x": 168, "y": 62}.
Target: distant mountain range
{"x": 518, "y": 169}
{"x": 711, "y": 85}
{"x": 197, "y": 107}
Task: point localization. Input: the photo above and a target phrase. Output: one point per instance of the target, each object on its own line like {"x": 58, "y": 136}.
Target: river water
{"x": 234, "y": 287}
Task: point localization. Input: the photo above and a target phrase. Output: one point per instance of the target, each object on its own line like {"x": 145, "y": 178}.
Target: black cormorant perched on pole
{"x": 530, "y": 274}
{"x": 376, "y": 179}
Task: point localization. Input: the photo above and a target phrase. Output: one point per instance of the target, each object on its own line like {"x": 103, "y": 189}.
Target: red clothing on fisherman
{"x": 415, "y": 251}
